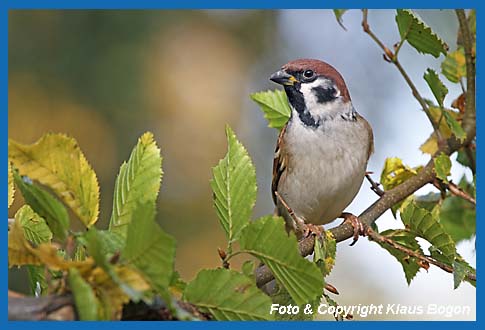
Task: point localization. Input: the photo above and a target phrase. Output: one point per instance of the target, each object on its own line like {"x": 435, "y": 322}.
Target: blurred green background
{"x": 105, "y": 77}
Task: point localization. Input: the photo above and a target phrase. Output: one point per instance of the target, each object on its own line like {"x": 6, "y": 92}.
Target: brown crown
{"x": 321, "y": 69}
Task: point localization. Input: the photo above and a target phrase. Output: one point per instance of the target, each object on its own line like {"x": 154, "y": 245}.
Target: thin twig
{"x": 374, "y": 186}
{"x": 383, "y": 239}
{"x": 455, "y": 190}
{"x": 393, "y": 59}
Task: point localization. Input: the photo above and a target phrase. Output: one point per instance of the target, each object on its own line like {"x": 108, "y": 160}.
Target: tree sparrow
{"x": 322, "y": 152}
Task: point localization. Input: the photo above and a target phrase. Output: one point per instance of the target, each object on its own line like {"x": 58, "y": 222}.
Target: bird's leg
{"x": 359, "y": 227}
{"x": 300, "y": 225}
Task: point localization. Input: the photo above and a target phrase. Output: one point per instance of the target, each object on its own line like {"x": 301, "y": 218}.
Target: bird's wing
{"x": 370, "y": 150}
{"x": 279, "y": 163}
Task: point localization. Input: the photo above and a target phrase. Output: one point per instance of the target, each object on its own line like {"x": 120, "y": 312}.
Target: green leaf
{"x": 176, "y": 282}
{"x": 453, "y": 66}
{"x": 149, "y": 248}
{"x": 11, "y": 189}
{"x": 442, "y": 167}
{"x": 56, "y": 161}
{"x": 408, "y": 240}
{"x": 428, "y": 201}
{"x": 248, "y": 268}
{"x": 46, "y": 205}
{"x": 283, "y": 298}
{"x": 324, "y": 254}
{"x": 27, "y": 230}
{"x": 234, "y": 187}
{"x": 37, "y": 280}
{"x": 455, "y": 126}
{"x": 418, "y": 34}
{"x": 267, "y": 240}
{"x": 464, "y": 159}
{"x": 425, "y": 224}
{"x": 84, "y": 298}
{"x": 338, "y": 15}
{"x": 35, "y": 228}
{"x": 275, "y": 107}
{"x": 228, "y": 296}
{"x": 138, "y": 181}
{"x": 458, "y": 216}
{"x": 437, "y": 87}
{"x": 460, "y": 271}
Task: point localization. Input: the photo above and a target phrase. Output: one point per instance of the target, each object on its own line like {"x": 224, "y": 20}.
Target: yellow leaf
{"x": 57, "y": 162}
{"x": 454, "y": 65}
{"x": 19, "y": 253}
{"x": 395, "y": 173}
{"x": 110, "y": 294}
{"x": 48, "y": 255}
{"x": 28, "y": 228}
{"x": 430, "y": 146}
{"x": 11, "y": 188}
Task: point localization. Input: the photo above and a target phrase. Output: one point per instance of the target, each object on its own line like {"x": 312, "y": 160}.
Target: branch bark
{"x": 61, "y": 308}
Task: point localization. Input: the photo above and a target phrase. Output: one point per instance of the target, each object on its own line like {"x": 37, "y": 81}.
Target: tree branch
{"x": 455, "y": 190}
{"x": 61, "y": 308}
{"x": 469, "y": 118}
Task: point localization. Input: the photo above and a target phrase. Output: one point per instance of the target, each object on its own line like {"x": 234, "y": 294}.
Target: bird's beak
{"x": 283, "y": 78}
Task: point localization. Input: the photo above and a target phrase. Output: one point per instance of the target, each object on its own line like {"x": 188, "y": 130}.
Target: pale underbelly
{"x": 320, "y": 191}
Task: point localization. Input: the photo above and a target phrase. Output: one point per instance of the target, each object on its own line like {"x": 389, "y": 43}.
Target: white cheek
{"x": 316, "y": 109}
{"x": 311, "y": 100}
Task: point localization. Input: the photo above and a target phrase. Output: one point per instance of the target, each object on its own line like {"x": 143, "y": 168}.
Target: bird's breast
{"x": 326, "y": 168}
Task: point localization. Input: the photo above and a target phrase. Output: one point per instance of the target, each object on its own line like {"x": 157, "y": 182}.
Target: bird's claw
{"x": 311, "y": 229}
{"x": 359, "y": 226}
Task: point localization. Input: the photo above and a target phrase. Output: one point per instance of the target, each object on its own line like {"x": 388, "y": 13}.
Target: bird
{"x": 322, "y": 152}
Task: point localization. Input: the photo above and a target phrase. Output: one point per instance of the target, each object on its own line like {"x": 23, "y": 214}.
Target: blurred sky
{"x": 105, "y": 77}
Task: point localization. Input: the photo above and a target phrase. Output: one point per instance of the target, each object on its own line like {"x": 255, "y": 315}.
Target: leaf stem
{"x": 379, "y": 238}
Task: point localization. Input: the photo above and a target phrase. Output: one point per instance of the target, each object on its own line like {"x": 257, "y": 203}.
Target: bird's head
{"x": 313, "y": 87}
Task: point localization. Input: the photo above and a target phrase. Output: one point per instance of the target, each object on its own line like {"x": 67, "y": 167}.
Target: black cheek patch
{"x": 324, "y": 95}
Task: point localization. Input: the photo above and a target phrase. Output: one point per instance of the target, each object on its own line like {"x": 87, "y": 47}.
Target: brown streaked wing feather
{"x": 279, "y": 163}
{"x": 370, "y": 150}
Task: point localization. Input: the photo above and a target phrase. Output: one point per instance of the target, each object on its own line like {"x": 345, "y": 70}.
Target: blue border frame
{"x": 7, "y": 5}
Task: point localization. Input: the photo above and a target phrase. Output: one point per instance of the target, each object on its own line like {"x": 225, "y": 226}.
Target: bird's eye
{"x": 308, "y": 74}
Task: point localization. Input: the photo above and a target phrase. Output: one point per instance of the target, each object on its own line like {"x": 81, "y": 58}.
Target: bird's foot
{"x": 359, "y": 227}
{"x": 311, "y": 229}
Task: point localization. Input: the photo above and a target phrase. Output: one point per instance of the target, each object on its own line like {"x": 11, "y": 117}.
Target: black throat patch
{"x": 297, "y": 101}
